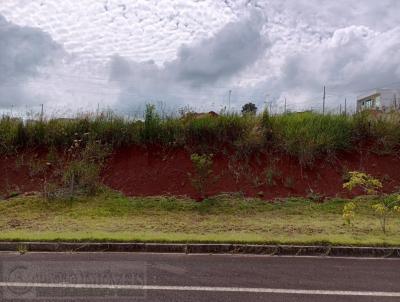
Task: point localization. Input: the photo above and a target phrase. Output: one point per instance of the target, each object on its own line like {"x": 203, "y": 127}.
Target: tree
{"x": 249, "y": 108}
{"x": 387, "y": 205}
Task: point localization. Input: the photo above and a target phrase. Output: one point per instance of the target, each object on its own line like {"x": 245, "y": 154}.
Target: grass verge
{"x": 223, "y": 219}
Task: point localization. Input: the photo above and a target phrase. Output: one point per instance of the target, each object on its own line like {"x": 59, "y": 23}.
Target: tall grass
{"x": 211, "y": 132}
{"x": 306, "y": 136}
{"x": 11, "y": 134}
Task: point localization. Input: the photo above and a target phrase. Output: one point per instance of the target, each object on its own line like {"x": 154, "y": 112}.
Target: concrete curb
{"x": 193, "y": 248}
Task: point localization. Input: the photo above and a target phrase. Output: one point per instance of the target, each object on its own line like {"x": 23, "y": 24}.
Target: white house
{"x": 384, "y": 99}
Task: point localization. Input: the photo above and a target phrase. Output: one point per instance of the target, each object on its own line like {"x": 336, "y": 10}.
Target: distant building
{"x": 379, "y": 99}
{"x": 199, "y": 115}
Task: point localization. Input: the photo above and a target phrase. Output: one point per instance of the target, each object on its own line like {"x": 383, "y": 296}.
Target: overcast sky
{"x": 122, "y": 54}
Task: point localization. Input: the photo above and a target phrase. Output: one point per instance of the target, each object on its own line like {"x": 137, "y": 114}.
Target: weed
{"x": 51, "y": 190}
{"x": 36, "y": 167}
{"x": 20, "y": 161}
{"x": 82, "y": 171}
{"x": 349, "y": 212}
{"x": 289, "y": 182}
{"x": 22, "y": 248}
{"x": 271, "y": 174}
{"x": 203, "y": 171}
{"x": 315, "y": 197}
{"x": 257, "y": 182}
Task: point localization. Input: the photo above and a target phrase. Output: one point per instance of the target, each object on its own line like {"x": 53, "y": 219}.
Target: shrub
{"x": 367, "y": 183}
{"x": 384, "y": 208}
{"x": 85, "y": 158}
{"x": 82, "y": 177}
{"x": 251, "y": 143}
{"x": 387, "y": 203}
{"x": 150, "y": 133}
{"x": 349, "y": 212}
{"x": 203, "y": 171}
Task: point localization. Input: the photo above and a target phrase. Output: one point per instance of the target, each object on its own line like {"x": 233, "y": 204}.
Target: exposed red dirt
{"x": 16, "y": 176}
{"x": 138, "y": 171}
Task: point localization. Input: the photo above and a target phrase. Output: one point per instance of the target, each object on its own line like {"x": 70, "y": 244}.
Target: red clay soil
{"x": 140, "y": 172}
{"x": 137, "y": 171}
{"x": 16, "y": 177}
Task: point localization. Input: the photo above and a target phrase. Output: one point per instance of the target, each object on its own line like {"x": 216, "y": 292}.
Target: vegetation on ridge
{"x": 304, "y": 135}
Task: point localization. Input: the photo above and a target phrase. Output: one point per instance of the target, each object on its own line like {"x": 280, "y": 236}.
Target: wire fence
{"x": 137, "y": 112}
{"x": 93, "y": 95}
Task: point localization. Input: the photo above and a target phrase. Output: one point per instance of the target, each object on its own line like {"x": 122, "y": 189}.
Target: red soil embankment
{"x": 137, "y": 171}
{"x": 15, "y": 177}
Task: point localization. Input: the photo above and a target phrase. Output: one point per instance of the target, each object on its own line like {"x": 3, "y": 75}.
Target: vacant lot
{"x": 266, "y": 156}
{"x": 110, "y": 216}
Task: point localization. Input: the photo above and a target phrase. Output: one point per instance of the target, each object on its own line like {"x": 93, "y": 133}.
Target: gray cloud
{"x": 234, "y": 47}
{"x": 199, "y": 66}
{"x": 352, "y": 59}
{"x": 23, "y": 50}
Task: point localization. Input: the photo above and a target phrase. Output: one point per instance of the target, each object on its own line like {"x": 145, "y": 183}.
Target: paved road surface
{"x": 177, "y": 277}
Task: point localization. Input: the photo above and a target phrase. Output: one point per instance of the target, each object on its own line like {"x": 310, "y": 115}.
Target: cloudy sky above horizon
{"x": 122, "y": 54}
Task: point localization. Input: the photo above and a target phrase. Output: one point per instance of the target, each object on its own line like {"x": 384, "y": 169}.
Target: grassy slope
{"x": 302, "y": 135}
{"x": 223, "y": 219}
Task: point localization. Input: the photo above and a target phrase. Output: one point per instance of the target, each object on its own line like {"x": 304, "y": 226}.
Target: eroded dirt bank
{"x": 138, "y": 171}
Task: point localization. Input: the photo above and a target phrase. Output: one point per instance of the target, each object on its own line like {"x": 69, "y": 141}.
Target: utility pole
{"x": 340, "y": 109}
{"x": 41, "y": 112}
{"x": 229, "y": 101}
{"x": 285, "y": 106}
{"x": 345, "y": 106}
{"x": 266, "y": 103}
{"x": 323, "y": 101}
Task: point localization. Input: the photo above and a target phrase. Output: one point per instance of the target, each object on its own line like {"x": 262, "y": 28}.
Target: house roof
{"x": 375, "y": 92}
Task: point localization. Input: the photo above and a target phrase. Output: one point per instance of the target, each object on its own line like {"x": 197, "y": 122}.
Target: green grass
{"x": 306, "y": 136}
{"x": 112, "y": 217}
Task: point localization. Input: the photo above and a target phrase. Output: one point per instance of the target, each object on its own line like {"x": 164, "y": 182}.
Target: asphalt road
{"x": 177, "y": 277}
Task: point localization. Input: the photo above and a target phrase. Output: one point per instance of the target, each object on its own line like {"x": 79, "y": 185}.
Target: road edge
{"x": 201, "y": 248}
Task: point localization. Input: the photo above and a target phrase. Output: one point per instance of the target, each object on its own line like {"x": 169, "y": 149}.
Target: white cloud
{"x": 346, "y": 45}
{"x": 201, "y": 65}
